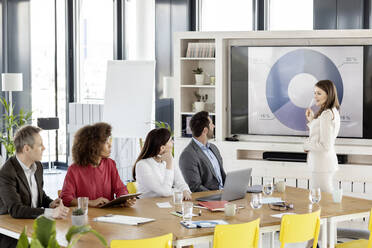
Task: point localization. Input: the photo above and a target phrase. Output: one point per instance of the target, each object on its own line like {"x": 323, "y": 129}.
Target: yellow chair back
{"x": 164, "y": 241}
{"x": 237, "y": 235}
{"x": 300, "y": 228}
{"x": 132, "y": 187}
{"x": 360, "y": 243}
{"x": 370, "y": 230}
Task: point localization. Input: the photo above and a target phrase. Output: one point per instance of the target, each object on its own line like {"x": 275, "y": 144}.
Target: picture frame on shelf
{"x": 186, "y": 130}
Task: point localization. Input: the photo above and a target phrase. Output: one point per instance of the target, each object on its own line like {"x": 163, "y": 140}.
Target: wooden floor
{"x": 54, "y": 182}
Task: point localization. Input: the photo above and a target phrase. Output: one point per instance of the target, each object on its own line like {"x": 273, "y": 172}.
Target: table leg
{"x": 332, "y": 232}
{"x": 324, "y": 233}
{"x": 272, "y": 240}
{"x": 260, "y": 240}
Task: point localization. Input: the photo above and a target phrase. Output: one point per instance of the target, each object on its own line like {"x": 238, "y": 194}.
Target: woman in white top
{"x": 323, "y": 127}
{"x": 154, "y": 171}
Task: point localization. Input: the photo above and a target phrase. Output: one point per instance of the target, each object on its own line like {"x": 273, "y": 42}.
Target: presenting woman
{"x": 154, "y": 170}
{"x": 93, "y": 174}
{"x": 323, "y": 127}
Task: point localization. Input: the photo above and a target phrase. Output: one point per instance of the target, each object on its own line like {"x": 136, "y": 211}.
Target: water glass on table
{"x": 256, "y": 201}
{"x": 83, "y": 204}
{"x": 268, "y": 187}
{"x": 187, "y": 208}
{"x": 314, "y": 196}
{"x": 177, "y": 201}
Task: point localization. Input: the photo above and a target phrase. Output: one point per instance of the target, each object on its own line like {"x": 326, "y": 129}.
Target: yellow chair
{"x": 237, "y": 235}
{"x": 164, "y": 241}
{"x": 360, "y": 243}
{"x": 300, "y": 228}
{"x": 132, "y": 187}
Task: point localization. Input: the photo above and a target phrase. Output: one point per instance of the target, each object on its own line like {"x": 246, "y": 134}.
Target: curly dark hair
{"x": 88, "y": 143}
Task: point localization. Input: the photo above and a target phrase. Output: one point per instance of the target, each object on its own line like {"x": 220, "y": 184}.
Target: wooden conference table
{"x": 331, "y": 213}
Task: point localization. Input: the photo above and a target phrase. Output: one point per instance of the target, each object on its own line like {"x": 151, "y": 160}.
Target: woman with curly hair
{"x": 93, "y": 174}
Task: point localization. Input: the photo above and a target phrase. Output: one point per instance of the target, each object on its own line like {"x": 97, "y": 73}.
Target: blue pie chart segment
{"x": 280, "y": 75}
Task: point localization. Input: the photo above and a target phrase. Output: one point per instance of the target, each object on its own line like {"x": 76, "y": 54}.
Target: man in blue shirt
{"x": 201, "y": 162}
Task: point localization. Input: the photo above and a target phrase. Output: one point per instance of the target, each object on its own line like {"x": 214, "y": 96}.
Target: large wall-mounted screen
{"x": 271, "y": 87}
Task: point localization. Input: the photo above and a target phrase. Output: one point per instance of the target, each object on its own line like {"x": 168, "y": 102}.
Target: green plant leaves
{"x": 80, "y": 230}
{"x": 10, "y": 123}
{"x": 23, "y": 240}
{"x": 44, "y": 235}
{"x": 44, "y": 230}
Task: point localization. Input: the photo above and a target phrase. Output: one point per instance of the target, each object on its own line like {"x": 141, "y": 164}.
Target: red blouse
{"x": 92, "y": 182}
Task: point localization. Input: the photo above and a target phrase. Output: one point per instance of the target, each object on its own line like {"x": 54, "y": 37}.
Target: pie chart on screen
{"x": 289, "y": 82}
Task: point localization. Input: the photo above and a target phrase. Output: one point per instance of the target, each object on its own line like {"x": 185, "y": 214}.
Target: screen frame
{"x": 288, "y": 42}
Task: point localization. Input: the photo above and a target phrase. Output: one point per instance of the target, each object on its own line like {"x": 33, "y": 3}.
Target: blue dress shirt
{"x": 210, "y": 155}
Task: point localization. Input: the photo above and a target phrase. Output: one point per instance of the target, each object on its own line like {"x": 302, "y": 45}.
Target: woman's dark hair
{"x": 198, "y": 122}
{"x": 332, "y": 99}
{"x": 154, "y": 140}
{"x": 88, "y": 143}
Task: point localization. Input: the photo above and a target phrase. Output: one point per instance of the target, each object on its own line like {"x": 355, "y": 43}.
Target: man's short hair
{"x": 198, "y": 122}
{"x": 25, "y": 136}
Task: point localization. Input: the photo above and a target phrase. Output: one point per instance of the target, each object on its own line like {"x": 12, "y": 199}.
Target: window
{"x": 290, "y": 15}
{"x": 220, "y": 15}
{"x": 95, "y": 47}
{"x": 48, "y": 81}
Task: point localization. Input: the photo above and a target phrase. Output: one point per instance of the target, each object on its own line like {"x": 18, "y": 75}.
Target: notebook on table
{"x": 202, "y": 223}
{"x": 123, "y": 219}
{"x": 214, "y": 205}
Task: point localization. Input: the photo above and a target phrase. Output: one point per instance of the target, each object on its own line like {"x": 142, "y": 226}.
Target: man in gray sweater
{"x": 201, "y": 162}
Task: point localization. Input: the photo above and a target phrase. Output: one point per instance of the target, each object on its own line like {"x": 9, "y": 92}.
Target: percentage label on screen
{"x": 265, "y": 116}
{"x": 345, "y": 118}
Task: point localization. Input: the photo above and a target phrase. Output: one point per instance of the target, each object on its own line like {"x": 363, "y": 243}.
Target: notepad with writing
{"x": 202, "y": 223}
{"x": 123, "y": 219}
{"x": 214, "y": 205}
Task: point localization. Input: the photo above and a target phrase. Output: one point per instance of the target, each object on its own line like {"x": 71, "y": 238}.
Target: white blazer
{"x": 320, "y": 144}
{"x": 155, "y": 180}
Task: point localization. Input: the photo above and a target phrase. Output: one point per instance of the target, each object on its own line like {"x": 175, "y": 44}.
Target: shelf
{"x": 192, "y": 113}
{"x": 195, "y": 58}
{"x": 197, "y": 86}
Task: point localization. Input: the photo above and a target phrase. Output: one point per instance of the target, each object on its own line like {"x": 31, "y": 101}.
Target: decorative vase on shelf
{"x": 199, "y": 106}
{"x": 199, "y": 79}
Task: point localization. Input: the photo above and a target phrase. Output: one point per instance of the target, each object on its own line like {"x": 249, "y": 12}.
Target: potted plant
{"x": 161, "y": 124}
{"x": 78, "y": 218}
{"x": 199, "y": 76}
{"x": 45, "y": 235}
{"x": 10, "y": 123}
{"x": 199, "y": 105}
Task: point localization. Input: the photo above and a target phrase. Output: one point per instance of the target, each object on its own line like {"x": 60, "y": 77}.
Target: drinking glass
{"x": 268, "y": 187}
{"x": 230, "y": 209}
{"x": 256, "y": 201}
{"x": 187, "y": 208}
{"x": 314, "y": 196}
{"x": 83, "y": 204}
{"x": 177, "y": 201}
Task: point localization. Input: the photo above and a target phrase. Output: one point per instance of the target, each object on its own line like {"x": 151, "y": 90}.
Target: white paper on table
{"x": 280, "y": 215}
{"x": 123, "y": 219}
{"x": 164, "y": 205}
{"x": 270, "y": 200}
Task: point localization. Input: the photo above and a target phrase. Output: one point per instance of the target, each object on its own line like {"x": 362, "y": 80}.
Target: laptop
{"x": 236, "y": 185}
